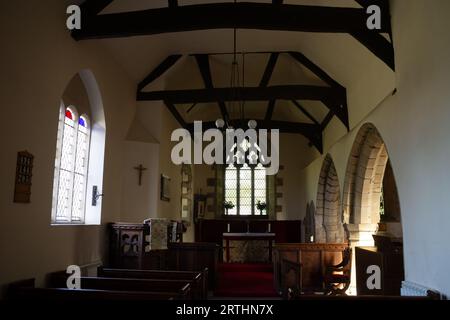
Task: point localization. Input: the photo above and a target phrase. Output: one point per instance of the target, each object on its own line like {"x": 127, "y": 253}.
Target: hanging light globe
{"x": 252, "y": 124}
{"x": 220, "y": 123}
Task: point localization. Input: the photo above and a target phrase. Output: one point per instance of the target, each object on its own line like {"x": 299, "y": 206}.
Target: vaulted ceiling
{"x": 300, "y": 57}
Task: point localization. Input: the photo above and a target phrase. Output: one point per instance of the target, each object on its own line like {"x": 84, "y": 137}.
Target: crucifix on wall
{"x": 140, "y": 169}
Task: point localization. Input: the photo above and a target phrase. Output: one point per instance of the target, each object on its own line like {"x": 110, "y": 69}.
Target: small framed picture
{"x": 165, "y": 188}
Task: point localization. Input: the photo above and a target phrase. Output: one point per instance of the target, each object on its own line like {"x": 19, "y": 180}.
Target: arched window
{"x": 71, "y": 166}
{"x": 245, "y": 186}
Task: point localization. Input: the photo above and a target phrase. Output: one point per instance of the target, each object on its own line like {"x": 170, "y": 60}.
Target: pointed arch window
{"x": 245, "y": 186}
{"x": 71, "y": 167}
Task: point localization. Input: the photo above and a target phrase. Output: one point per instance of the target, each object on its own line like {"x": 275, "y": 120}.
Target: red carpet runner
{"x": 245, "y": 280}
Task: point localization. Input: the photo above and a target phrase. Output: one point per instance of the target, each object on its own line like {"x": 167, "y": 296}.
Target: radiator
{"x": 414, "y": 289}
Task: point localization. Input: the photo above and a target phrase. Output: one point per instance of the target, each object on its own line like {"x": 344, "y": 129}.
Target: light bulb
{"x": 220, "y": 123}
{"x": 252, "y": 124}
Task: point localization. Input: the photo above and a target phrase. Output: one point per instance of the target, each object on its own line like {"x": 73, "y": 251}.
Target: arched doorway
{"x": 369, "y": 175}
{"x": 328, "y": 220}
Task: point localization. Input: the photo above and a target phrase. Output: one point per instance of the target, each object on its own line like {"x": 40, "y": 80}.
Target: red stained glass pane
{"x": 69, "y": 114}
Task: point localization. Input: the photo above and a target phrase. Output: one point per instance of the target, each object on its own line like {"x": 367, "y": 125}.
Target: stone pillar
{"x": 320, "y": 233}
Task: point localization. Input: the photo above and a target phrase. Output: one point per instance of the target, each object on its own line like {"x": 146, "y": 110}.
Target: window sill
{"x": 72, "y": 224}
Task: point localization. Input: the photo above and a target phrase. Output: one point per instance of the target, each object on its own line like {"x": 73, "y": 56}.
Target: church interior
{"x": 108, "y": 193}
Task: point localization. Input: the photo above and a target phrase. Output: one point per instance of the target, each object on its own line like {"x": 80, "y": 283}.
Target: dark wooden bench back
{"x": 25, "y": 290}
{"x": 199, "y": 280}
{"x": 180, "y": 288}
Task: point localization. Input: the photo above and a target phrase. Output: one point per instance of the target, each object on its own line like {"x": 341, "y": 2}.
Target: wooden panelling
{"x": 313, "y": 257}
{"x": 211, "y": 230}
{"x": 391, "y": 268}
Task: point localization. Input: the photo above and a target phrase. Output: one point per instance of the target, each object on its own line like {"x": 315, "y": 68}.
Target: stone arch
{"x": 328, "y": 220}
{"x": 363, "y": 185}
{"x": 365, "y": 175}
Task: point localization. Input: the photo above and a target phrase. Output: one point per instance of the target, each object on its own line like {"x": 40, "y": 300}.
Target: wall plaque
{"x": 24, "y": 172}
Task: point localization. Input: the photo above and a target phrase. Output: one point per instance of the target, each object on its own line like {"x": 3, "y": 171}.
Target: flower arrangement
{"x": 261, "y": 205}
{"x": 228, "y": 205}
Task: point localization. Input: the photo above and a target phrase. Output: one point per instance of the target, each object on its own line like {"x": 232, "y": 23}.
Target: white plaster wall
{"x": 295, "y": 154}
{"x": 139, "y": 202}
{"x": 171, "y": 209}
{"x": 414, "y": 125}
{"x": 38, "y": 59}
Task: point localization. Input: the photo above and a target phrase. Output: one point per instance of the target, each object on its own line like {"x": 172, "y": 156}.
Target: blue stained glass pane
{"x": 81, "y": 122}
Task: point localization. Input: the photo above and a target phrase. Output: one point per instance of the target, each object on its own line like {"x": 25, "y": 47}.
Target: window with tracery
{"x": 71, "y": 167}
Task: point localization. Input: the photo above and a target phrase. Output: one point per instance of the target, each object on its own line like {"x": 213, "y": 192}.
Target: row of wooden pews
{"x": 197, "y": 280}
{"x": 26, "y": 291}
{"x": 118, "y": 285}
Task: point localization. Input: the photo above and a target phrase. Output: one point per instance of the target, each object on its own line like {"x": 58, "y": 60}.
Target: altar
{"x": 248, "y": 246}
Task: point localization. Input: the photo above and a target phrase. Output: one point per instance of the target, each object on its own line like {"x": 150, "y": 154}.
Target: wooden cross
{"x": 140, "y": 168}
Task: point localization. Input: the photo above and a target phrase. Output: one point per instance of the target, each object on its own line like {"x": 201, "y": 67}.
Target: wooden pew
{"x": 26, "y": 290}
{"x": 198, "y": 280}
{"x": 127, "y": 250}
{"x": 180, "y": 289}
{"x": 194, "y": 257}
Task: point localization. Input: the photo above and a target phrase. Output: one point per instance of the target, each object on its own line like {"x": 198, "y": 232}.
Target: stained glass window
{"x": 71, "y": 167}
{"x": 244, "y": 187}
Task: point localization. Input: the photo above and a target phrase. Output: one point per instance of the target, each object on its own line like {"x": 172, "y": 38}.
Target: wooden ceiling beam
{"x": 302, "y": 59}
{"x": 205, "y": 71}
{"x": 330, "y": 96}
{"x": 305, "y": 112}
{"x": 326, "y": 120}
{"x": 269, "y": 69}
{"x": 173, "y": 110}
{"x": 165, "y": 65}
{"x": 341, "y": 109}
{"x": 383, "y": 4}
{"x": 378, "y": 45}
{"x": 270, "y": 109}
{"x": 310, "y": 131}
{"x": 91, "y": 8}
{"x": 242, "y": 15}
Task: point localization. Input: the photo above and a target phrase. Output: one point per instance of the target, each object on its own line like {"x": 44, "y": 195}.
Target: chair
{"x": 337, "y": 277}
